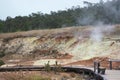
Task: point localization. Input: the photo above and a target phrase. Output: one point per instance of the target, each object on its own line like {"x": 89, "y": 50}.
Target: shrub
{"x": 57, "y": 67}
{"x": 47, "y": 67}
{"x": 1, "y": 62}
{"x": 2, "y": 55}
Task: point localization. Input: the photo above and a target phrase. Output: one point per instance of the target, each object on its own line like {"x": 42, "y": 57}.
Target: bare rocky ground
{"x": 73, "y": 45}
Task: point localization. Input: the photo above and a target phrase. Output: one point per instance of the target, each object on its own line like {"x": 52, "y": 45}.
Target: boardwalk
{"x": 67, "y": 69}
{"x": 112, "y": 75}
{"x": 109, "y": 74}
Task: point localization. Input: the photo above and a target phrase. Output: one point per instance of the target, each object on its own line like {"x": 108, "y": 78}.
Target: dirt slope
{"x": 77, "y": 43}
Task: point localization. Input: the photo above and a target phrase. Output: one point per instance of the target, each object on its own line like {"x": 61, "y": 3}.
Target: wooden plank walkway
{"x": 109, "y": 74}
{"x": 112, "y": 75}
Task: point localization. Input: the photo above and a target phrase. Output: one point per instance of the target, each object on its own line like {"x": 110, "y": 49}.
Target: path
{"x": 112, "y": 75}
{"x": 109, "y": 74}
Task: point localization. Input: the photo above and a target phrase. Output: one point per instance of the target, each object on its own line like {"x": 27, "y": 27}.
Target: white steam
{"x": 78, "y": 35}
{"x": 100, "y": 31}
{"x": 97, "y": 34}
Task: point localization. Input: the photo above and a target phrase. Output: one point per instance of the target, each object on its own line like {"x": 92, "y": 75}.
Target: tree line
{"x": 92, "y": 14}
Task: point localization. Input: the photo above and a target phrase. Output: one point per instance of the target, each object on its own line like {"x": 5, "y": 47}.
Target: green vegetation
{"x": 47, "y": 67}
{"x": 2, "y": 54}
{"x": 57, "y": 67}
{"x": 1, "y": 62}
{"x": 93, "y": 13}
{"x": 37, "y": 78}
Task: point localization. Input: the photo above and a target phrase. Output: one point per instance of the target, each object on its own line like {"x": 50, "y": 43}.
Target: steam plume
{"x": 100, "y": 30}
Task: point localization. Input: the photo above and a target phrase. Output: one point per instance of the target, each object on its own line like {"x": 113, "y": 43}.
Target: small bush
{"x": 2, "y": 55}
{"x": 1, "y": 62}
{"x": 57, "y": 67}
{"x": 47, "y": 67}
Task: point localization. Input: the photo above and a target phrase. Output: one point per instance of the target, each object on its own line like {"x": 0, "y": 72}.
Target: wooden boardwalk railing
{"x": 112, "y": 60}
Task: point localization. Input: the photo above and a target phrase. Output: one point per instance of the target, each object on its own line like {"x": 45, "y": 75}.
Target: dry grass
{"x": 22, "y": 76}
{"x": 41, "y": 75}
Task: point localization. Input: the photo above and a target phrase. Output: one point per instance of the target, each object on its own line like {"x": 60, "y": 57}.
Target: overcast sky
{"x": 25, "y": 7}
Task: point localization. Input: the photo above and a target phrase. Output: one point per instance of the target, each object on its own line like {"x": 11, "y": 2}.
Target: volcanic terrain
{"x": 69, "y": 46}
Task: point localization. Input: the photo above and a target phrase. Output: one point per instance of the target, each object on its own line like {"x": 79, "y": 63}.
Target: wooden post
{"x": 96, "y": 66}
{"x": 110, "y": 65}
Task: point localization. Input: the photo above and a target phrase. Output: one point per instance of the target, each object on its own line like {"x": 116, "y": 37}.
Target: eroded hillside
{"x": 77, "y": 43}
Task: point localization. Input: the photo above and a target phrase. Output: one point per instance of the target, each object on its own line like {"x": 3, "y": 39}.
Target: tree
{"x": 106, "y": 12}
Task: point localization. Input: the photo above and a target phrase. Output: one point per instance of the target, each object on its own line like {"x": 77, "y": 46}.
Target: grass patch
{"x": 36, "y": 77}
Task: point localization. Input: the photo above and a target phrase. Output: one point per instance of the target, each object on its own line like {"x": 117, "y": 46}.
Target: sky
{"x": 14, "y": 8}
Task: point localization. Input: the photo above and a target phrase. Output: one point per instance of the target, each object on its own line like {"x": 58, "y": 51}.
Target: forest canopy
{"x": 93, "y": 13}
